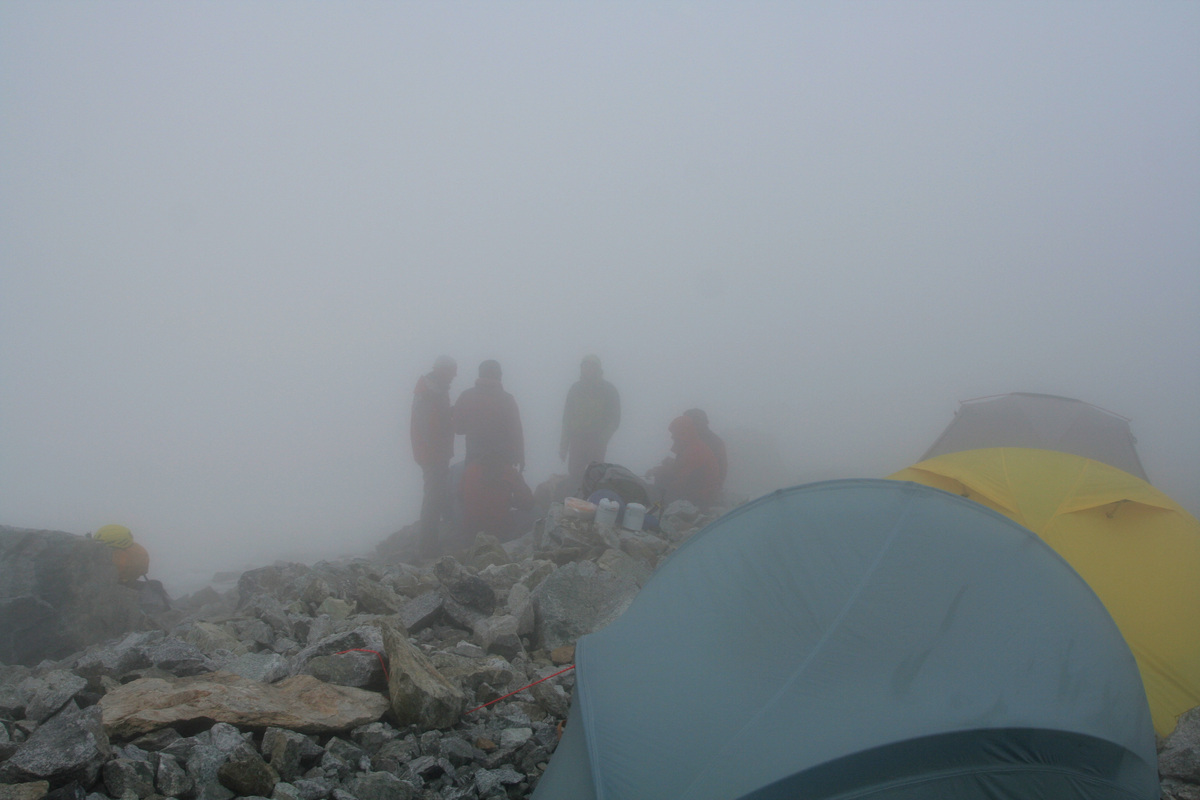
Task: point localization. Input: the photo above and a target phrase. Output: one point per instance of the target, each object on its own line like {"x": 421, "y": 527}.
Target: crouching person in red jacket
{"x": 496, "y": 500}
{"x": 694, "y": 473}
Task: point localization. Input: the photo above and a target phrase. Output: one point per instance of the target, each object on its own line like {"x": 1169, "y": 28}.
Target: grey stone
{"x": 625, "y": 566}
{"x": 539, "y": 570}
{"x": 1180, "y": 756}
{"x": 520, "y": 606}
{"x": 335, "y": 608}
{"x": 171, "y": 779}
{"x": 336, "y": 767}
{"x": 678, "y": 517}
{"x": 225, "y": 737}
{"x": 459, "y": 752}
{"x": 374, "y": 597}
{"x": 1173, "y": 789}
{"x": 70, "y": 746}
{"x": 421, "y": 612}
{"x": 419, "y": 694}
{"x": 316, "y": 590}
{"x": 427, "y": 767}
{"x": 486, "y": 551}
{"x": 49, "y": 693}
{"x": 285, "y": 791}
{"x": 473, "y": 592}
{"x": 254, "y": 630}
{"x": 637, "y": 547}
{"x": 393, "y": 755}
{"x": 280, "y": 580}
{"x": 499, "y": 635}
{"x": 409, "y": 581}
{"x": 364, "y": 637}
{"x": 270, "y": 610}
{"x": 381, "y": 786}
{"x": 248, "y": 775}
{"x": 347, "y": 752}
{"x": 373, "y": 736}
{"x": 158, "y": 740}
{"x": 578, "y": 599}
{"x": 210, "y": 638}
{"x": 459, "y": 615}
{"x": 124, "y": 777}
{"x": 319, "y": 628}
{"x": 471, "y": 673}
{"x": 468, "y": 650}
{"x": 489, "y": 780}
{"x": 283, "y": 750}
{"x": 35, "y": 790}
{"x": 203, "y": 764}
{"x": 116, "y": 660}
{"x": 286, "y": 647}
{"x": 181, "y": 748}
{"x": 312, "y": 789}
{"x": 551, "y": 698}
{"x": 515, "y": 737}
{"x": 360, "y": 669}
{"x": 262, "y": 667}
{"x": 502, "y": 577}
{"x": 180, "y": 658}
{"x": 12, "y": 699}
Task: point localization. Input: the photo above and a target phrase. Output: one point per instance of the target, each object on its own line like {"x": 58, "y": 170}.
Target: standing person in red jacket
{"x": 491, "y": 482}
{"x": 693, "y": 474}
{"x": 432, "y": 432}
{"x": 488, "y": 417}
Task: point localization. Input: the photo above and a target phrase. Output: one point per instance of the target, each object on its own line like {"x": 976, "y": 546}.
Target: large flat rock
{"x": 300, "y": 703}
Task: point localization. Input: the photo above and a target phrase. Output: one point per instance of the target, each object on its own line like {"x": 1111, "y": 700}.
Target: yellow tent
{"x": 1138, "y": 550}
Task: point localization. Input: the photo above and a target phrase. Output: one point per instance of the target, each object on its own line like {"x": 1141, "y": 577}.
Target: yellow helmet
{"x": 117, "y": 536}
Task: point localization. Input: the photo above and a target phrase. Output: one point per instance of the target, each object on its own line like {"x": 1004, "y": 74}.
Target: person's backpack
{"x": 616, "y": 478}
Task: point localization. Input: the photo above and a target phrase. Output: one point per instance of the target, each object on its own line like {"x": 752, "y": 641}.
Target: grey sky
{"x": 232, "y": 235}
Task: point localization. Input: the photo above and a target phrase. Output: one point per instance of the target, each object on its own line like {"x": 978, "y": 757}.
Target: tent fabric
{"x": 860, "y": 638}
{"x": 1137, "y": 548}
{"x": 1042, "y": 421}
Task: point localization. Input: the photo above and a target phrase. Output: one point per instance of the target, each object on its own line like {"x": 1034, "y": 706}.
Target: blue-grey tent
{"x": 858, "y": 639}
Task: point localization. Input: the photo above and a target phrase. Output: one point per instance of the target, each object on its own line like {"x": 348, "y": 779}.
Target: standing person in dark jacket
{"x": 488, "y": 416}
{"x": 432, "y": 432}
{"x": 591, "y": 416}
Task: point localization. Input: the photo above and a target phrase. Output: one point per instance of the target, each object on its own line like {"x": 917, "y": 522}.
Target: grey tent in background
{"x": 856, "y": 639}
{"x": 1044, "y": 422}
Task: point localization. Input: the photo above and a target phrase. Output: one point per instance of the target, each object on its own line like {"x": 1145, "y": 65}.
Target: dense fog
{"x": 233, "y": 235}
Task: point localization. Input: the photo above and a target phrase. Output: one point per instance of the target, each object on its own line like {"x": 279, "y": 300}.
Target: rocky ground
{"x": 356, "y": 679}
{"x": 361, "y": 679}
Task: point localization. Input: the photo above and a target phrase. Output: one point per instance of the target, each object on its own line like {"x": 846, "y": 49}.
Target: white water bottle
{"x": 606, "y": 513}
{"x": 635, "y": 515}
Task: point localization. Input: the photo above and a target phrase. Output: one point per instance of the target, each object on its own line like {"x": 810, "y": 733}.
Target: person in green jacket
{"x": 590, "y": 418}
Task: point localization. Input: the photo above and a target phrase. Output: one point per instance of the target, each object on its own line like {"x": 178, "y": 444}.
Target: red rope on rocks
{"x": 362, "y": 650}
{"x": 523, "y": 688}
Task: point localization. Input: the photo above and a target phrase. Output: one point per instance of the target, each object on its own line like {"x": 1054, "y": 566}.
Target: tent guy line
{"x": 523, "y": 688}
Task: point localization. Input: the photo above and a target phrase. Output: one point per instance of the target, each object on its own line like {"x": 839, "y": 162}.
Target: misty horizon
{"x": 234, "y": 236}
